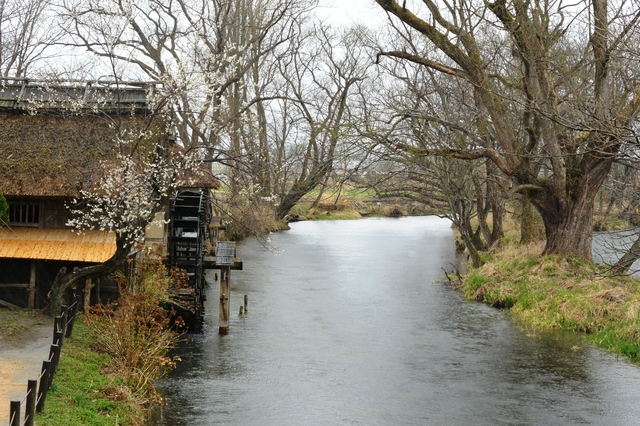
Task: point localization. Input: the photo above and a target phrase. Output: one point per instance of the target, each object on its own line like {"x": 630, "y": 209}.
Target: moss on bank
{"x": 552, "y": 292}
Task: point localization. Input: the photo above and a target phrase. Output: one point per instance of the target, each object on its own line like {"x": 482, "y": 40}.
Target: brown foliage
{"x": 135, "y": 330}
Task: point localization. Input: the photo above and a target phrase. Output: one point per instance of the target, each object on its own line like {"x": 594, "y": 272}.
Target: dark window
{"x": 24, "y": 213}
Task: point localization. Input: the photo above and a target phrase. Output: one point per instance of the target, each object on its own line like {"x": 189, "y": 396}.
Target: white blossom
{"x": 129, "y": 193}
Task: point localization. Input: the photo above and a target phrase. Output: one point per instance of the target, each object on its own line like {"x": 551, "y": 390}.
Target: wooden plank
{"x": 56, "y": 244}
{"x": 12, "y": 285}
{"x": 210, "y": 263}
{"x": 8, "y": 305}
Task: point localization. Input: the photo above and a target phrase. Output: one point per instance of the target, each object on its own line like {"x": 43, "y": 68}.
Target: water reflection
{"x": 349, "y": 325}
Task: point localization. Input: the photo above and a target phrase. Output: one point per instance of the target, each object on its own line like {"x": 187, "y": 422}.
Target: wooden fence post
{"x": 45, "y": 375}
{"x": 73, "y": 312}
{"x": 30, "y": 412}
{"x": 57, "y": 326}
{"x": 54, "y": 355}
{"x": 14, "y": 413}
{"x": 58, "y": 336}
{"x": 63, "y": 318}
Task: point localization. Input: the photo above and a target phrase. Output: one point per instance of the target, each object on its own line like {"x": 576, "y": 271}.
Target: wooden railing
{"x": 37, "y": 389}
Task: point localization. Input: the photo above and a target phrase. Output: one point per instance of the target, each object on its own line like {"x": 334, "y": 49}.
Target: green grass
{"x": 85, "y": 392}
{"x": 350, "y": 193}
{"x": 566, "y": 294}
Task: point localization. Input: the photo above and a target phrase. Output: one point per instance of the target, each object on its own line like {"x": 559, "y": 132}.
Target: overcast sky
{"x": 348, "y": 12}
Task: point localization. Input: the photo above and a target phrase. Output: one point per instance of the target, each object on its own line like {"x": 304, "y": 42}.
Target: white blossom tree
{"x": 127, "y": 192}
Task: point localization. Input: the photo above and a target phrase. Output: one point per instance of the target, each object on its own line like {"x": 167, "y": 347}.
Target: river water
{"x": 349, "y": 323}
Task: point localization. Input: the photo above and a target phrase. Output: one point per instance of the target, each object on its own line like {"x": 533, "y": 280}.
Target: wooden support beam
{"x": 16, "y": 285}
{"x": 88, "y": 285}
{"x": 98, "y": 290}
{"x": 209, "y": 262}
{"x": 32, "y": 286}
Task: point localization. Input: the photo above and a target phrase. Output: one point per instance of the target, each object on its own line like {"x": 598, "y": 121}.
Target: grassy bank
{"x": 556, "y": 293}
{"x": 352, "y": 204}
{"x": 245, "y": 218}
{"x": 86, "y": 390}
{"x": 116, "y": 353}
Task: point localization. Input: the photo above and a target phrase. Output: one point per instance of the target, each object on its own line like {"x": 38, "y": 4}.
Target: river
{"x": 349, "y": 323}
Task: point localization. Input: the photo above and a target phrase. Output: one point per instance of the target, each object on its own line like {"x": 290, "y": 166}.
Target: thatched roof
{"x": 52, "y": 152}
{"x": 52, "y": 156}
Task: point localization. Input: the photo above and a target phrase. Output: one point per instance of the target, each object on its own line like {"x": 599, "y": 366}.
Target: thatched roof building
{"x": 53, "y": 137}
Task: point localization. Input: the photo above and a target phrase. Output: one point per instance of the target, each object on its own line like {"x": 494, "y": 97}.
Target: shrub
{"x": 135, "y": 331}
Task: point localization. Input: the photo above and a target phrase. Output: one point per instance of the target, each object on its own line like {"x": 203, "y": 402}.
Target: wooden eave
{"x": 57, "y": 244}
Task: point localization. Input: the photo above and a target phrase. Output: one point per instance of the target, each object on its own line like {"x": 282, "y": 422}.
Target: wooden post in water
{"x": 224, "y": 299}
{"x": 246, "y": 303}
{"x": 225, "y": 257}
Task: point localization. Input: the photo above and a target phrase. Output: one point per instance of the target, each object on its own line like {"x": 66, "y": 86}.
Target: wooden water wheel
{"x": 189, "y": 219}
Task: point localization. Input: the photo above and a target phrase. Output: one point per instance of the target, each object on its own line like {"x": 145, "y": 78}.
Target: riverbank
{"x": 353, "y": 204}
{"x": 551, "y": 292}
{"x": 87, "y": 389}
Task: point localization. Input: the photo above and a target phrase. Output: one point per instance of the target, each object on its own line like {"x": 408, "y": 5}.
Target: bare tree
{"x": 548, "y": 113}
{"x": 429, "y": 112}
{"x": 322, "y": 77}
{"x": 26, "y": 35}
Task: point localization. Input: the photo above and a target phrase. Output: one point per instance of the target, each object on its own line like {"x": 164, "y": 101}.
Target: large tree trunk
{"x": 303, "y": 186}
{"x": 498, "y": 205}
{"x": 295, "y": 194}
{"x": 568, "y": 213}
{"x": 569, "y": 232}
{"x": 468, "y": 240}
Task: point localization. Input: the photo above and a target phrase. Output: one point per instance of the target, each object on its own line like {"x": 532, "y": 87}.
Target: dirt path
{"x": 25, "y": 340}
